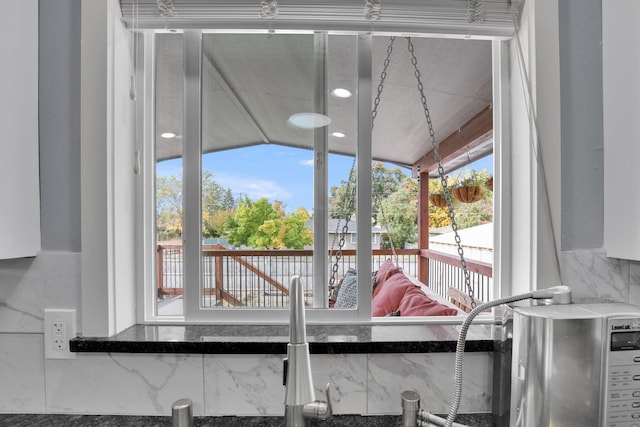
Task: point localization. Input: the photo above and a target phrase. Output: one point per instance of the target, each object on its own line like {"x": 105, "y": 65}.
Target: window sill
{"x": 273, "y": 339}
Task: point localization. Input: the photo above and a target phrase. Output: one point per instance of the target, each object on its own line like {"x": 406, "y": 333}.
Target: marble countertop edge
{"x": 234, "y": 339}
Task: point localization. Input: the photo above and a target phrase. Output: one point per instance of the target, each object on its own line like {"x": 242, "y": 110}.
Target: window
{"x": 106, "y": 236}
{"x": 254, "y": 95}
{"x": 228, "y": 233}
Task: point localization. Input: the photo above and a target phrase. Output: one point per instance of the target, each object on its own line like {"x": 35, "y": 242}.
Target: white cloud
{"x": 253, "y": 188}
{"x": 306, "y": 162}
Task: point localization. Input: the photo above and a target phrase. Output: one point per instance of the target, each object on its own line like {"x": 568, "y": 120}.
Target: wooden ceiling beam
{"x": 471, "y": 134}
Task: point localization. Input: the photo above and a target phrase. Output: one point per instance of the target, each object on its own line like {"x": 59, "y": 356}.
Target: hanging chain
{"x": 443, "y": 179}
{"x": 374, "y": 114}
{"x": 350, "y": 194}
{"x": 350, "y": 191}
{"x": 384, "y": 222}
{"x": 383, "y": 76}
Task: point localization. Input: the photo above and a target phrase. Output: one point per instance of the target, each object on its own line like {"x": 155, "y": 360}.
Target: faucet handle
{"x": 319, "y": 410}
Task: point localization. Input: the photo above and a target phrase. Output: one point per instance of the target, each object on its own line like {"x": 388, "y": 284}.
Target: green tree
{"x": 481, "y": 212}
{"x": 384, "y": 182}
{"x": 228, "y": 202}
{"x": 394, "y": 202}
{"x": 168, "y": 207}
{"x": 213, "y": 223}
{"x": 295, "y": 234}
{"x": 342, "y": 197}
{"x": 217, "y": 203}
{"x": 400, "y": 216}
{"x": 262, "y": 225}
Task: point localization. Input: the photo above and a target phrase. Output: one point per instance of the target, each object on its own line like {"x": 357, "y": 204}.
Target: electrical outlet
{"x": 59, "y": 328}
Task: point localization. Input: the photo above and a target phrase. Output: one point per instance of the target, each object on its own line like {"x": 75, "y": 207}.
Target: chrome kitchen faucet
{"x": 300, "y": 402}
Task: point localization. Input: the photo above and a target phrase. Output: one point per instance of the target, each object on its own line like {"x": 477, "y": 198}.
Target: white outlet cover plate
{"x": 56, "y": 344}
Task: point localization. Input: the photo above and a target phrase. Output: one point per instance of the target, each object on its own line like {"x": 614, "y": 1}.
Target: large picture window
{"x": 266, "y": 165}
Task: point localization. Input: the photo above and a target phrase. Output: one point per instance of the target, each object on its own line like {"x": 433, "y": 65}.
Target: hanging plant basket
{"x": 438, "y": 200}
{"x": 489, "y": 184}
{"x": 468, "y": 193}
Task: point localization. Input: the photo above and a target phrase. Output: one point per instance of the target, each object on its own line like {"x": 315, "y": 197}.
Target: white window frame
{"x": 192, "y": 204}
{"x": 108, "y": 293}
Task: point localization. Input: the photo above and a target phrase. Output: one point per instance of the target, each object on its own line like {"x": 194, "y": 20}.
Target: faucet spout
{"x": 300, "y": 402}
{"x": 297, "y": 322}
{"x": 298, "y": 377}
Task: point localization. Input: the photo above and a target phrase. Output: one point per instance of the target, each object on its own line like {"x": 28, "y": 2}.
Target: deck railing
{"x": 445, "y": 271}
{"x": 260, "y": 278}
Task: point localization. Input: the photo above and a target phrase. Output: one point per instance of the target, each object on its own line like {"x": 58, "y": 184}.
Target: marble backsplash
{"x": 227, "y": 385}
{"x": 148, "y": 384}
{"x": 590, "y": 273}
{"x": 240, "y": 385}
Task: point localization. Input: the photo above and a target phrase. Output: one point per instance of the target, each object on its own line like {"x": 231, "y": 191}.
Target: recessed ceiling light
{"x": 308, "y": 120}
{"x": 168, "y": 135}
{"x": 338, "y": 134}
{"x": 341, "y": 93}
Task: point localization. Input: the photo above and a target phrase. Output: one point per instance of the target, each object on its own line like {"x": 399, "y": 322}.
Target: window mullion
{"x": 192, "y": 146}
{"x": 363, "y": 156}
{"x": 320, "y": 176}
{"x": 502, "y": 170}
{"x": 145, "y": 210}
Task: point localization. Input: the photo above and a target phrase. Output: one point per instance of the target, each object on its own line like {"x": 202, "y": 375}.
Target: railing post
{"x": 423, "y": 224}
{"x": 160, "y": 271}
{"x": 423, "y": 269}
{"x": 219, "y": 286}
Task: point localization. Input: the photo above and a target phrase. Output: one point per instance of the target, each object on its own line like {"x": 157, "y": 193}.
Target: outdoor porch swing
{"x": 344, "y": 293}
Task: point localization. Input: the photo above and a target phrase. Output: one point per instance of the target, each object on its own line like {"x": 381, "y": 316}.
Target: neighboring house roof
{"x": 480, "y": 236}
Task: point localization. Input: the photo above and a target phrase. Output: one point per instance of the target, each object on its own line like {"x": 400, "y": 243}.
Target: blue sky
{"x": 276, "y": 172}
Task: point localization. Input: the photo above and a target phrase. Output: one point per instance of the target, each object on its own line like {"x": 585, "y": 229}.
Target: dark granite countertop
{"x": 33, "y": 420}
{"x": 273, "y": 339}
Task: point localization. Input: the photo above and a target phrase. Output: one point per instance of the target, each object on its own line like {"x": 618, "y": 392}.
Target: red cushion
{"x": 416, "y": 303}
{"x": 386, "y": 270}
{"x": 388, "y": 297}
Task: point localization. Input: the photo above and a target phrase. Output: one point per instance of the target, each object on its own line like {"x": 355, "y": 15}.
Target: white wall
{"x": 59, "y": 125}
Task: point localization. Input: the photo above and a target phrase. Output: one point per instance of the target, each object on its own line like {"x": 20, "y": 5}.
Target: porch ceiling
{"x": 252, "y": 84}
